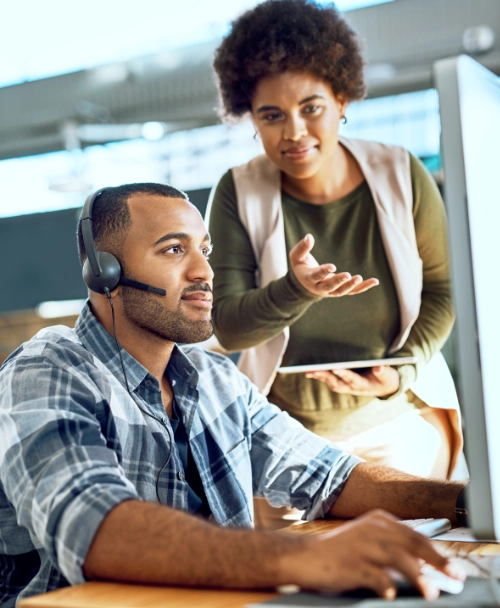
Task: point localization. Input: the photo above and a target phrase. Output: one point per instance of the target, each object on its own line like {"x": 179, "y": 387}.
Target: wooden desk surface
{"x": 475, "y": 558}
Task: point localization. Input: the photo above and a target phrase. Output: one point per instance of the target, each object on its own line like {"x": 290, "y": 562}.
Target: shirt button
{"x": 148, "y": 382}
{"x": 180, "y": 476}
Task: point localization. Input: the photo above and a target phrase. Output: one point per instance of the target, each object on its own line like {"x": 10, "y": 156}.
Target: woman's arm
{"x": 246, "y": 315}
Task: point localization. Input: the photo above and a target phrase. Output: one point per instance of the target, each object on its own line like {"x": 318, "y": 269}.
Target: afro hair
{"x": 287, "y": 35}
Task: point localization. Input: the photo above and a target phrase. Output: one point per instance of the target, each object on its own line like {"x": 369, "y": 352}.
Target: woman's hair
{"x": 287, "y": 35}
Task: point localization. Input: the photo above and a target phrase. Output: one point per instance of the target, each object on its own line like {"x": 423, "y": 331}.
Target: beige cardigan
{"x": 387, "y": 172}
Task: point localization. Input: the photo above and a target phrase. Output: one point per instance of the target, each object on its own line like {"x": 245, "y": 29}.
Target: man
{"x": 101, "y": 423}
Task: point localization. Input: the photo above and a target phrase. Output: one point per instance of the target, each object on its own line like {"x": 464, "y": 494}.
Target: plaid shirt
{"x": 74, "y": 445}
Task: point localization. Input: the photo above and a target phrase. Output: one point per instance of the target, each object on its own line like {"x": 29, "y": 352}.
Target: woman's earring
{"x": 343, "y": 119}
{"x": 256, "y": 136}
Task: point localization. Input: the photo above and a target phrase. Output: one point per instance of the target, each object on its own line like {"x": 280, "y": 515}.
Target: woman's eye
{"x": 174, "y": 249}
{"x": 272, "y": 117}
{"x": 312, "y": 109}
{"x": 207, "y": 251}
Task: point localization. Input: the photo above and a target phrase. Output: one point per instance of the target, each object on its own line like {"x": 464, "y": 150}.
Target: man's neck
{"x": 151, "y": 351}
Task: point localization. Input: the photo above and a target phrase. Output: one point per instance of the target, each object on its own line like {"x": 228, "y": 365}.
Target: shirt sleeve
{"x": 55, "y": 466}
{"x": 436, "y": 316}
{"x": 291, "y": 466}
{"x": 245, "y": 315}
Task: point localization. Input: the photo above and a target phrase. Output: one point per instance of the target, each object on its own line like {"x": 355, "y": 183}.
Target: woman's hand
{"x": 322, "y": 280}
{"x": 380, "y": 381}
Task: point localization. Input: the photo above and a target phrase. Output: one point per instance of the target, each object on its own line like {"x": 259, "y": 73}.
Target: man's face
{"x": 168, "y": 246}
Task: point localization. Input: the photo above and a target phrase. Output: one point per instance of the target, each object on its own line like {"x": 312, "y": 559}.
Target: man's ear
{"x": 95, "y": 297}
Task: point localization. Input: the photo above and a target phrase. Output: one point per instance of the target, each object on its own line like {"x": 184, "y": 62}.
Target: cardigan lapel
{"x": 387, "y": 173}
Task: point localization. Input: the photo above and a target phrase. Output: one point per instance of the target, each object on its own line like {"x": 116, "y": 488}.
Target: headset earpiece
{"x": 109, "y": 277}
{"x": 101, "y": 269}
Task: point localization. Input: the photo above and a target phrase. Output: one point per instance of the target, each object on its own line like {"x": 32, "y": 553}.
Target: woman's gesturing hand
{"x": 379, "y": 381}
{"x": 322, "y": 280}
{"x": 362, "y": 553}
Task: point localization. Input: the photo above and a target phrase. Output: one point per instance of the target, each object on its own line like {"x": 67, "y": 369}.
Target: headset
{"x": 102, "y": 273}
{"x": 102, "y": 270}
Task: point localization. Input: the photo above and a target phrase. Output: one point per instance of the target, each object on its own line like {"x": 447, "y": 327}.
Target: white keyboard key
{"x": 428, "y": 527}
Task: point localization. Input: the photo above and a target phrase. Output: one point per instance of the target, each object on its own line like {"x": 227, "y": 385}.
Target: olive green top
{"x": 346, "y": 233}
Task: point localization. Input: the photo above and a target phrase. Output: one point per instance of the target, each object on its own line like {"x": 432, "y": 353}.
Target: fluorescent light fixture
{"x": 107, "y": 133}
{"x": 72, "y": 183}
{"x": 107, "y": 74}
{"x": 380, "y": 72}
{"x": 351, "y": 5}
{"x": 104, "y": 133}
{"x": 61, "y": 308}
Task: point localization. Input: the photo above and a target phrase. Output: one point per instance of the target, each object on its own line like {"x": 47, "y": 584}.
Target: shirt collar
{"x": 100, "y": 343}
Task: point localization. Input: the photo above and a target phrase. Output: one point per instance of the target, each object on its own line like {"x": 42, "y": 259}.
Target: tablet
{"x": 321, "y": 367}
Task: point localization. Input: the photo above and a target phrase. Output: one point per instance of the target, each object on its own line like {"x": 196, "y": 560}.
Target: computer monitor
{"x": 469, "y": 98}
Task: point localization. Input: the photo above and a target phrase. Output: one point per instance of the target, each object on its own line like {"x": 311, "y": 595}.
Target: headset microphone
{"x": 102, "y": 270}
{"x": 144, "y": 286}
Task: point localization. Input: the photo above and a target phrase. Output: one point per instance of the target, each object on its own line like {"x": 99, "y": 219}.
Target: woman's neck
{"x": 339, "y": 176}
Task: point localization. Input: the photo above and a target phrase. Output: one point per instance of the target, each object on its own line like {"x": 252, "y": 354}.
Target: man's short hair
{"x": 111, "y": 216}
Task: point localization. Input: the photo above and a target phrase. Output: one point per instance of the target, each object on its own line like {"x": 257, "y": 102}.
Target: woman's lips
{"x": 299, "y": 153}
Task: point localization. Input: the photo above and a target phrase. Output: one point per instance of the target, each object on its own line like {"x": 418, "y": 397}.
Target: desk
{"x": 473, "y": 556}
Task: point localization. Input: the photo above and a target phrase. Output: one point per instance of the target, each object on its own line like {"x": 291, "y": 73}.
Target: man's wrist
{"x": 294, "y": 551}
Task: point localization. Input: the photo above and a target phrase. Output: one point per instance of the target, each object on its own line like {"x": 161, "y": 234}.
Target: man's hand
{"x": 362, "y": 553}
{"x": 380, "y": 381}
{"x": 322, "y": 280}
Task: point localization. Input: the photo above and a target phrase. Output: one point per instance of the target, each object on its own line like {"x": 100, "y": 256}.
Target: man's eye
{"x": 207, "y": 251}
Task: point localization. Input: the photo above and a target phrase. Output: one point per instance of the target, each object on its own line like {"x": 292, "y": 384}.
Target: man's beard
{"x": 144, "y": 309}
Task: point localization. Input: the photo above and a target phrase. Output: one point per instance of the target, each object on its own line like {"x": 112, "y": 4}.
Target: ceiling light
{"x": 153, "y": 131}
{"x": 61, "y": 308}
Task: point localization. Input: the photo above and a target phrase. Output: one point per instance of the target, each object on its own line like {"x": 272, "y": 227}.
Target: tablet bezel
{"x": 322, "y": 367}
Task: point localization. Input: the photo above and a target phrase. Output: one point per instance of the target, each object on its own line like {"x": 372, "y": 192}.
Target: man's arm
{"x": 148, "y": 543}
{"x": 371, "y": 486}
{"x": 333, "y": 482}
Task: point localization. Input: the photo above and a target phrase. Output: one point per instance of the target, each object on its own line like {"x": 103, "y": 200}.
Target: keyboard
{"x": 428, "y": 527}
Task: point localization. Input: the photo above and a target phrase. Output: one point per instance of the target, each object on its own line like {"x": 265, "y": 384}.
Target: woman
{"x": 373, "y": 210}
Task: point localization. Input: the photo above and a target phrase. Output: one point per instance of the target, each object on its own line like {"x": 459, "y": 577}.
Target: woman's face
{"x": 297, "y": 117}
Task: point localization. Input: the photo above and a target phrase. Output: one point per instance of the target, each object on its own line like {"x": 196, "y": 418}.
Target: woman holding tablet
{"x": 315, "y": 204}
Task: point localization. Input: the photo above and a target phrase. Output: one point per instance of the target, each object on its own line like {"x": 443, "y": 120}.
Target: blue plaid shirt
{"x": 74, "y": 445}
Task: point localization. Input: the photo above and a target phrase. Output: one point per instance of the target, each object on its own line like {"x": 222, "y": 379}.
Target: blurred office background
{"x": 112, "y": 91}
